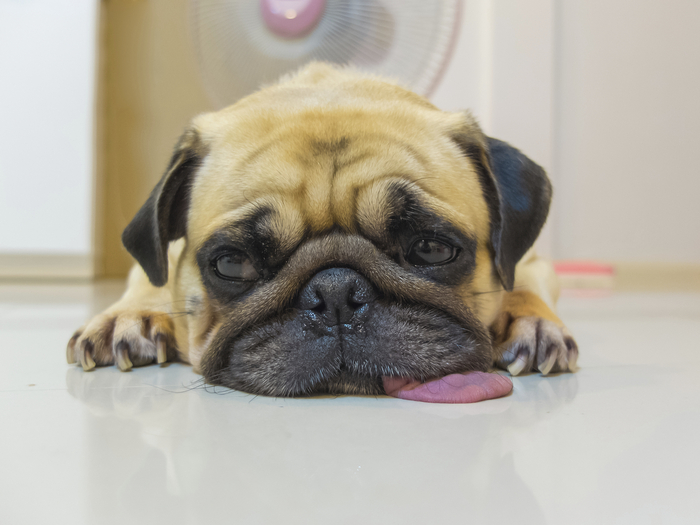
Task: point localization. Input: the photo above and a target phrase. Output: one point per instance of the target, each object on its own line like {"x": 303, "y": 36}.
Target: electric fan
{"x": 242, "y": 44}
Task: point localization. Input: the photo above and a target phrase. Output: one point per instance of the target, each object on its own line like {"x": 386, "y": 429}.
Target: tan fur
{"x": 320, "y": 149}
{"x": 524, "y": 303}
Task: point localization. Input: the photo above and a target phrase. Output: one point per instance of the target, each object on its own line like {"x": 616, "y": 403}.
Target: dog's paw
{"x": 128, "y": 338}
{"x": 530, "y": 344}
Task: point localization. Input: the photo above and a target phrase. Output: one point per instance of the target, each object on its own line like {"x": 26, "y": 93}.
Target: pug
{"x": 336, "y": 233}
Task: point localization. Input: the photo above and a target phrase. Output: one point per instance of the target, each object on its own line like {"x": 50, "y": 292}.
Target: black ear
{"x": 525, "y": 193}
{"x": 518, "y": 194}
{"x": 163, "y": 218}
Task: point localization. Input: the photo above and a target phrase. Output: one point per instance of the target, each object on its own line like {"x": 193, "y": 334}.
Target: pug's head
{"x": 338, "y": 230}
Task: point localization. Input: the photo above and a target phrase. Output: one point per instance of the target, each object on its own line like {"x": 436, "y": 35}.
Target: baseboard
{"x": 637, "y": 276}
{"x": 676, "y": 277}
{"x": 46, "y": 266}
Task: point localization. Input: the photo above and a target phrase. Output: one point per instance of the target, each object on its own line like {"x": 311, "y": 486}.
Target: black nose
{"x": 336, "y": 294}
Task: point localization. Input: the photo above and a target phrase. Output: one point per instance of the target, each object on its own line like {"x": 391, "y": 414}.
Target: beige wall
{"x": 150, "y": 90}
{"x": 627, "y": 130}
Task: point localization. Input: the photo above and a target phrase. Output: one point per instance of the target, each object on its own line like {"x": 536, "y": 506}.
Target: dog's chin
{"x": 349, "y": 383}
{"x": 291, "y": 355}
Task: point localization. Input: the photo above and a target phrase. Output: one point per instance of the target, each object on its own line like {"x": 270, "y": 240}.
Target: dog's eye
{"x": 236, "y": 266}
{"x": 429, "y": 252}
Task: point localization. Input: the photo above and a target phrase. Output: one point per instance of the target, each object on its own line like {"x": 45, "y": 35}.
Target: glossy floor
{"x": 616, "y": 442}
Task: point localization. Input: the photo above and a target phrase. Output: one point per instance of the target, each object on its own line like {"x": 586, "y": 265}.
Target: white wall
{"x": 605, "y": 94}
{"x": 47, "y": 92}
{"x": 502, "y": 70}
{"x": 627, "y": 147}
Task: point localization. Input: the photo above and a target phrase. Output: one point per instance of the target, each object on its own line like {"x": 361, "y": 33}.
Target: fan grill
{"x": 407, "y": 40}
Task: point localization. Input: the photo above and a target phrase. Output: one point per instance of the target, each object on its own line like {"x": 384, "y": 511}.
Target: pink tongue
{"x": 454, "y": 388}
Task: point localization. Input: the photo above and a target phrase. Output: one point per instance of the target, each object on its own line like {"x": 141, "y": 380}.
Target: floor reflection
{"x": 215, "y": 454}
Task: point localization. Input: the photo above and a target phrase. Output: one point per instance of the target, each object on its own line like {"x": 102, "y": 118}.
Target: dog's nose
{"x": 336, "y": 295}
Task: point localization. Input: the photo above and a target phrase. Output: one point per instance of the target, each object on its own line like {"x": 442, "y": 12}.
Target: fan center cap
{"x": 291, "y": 18}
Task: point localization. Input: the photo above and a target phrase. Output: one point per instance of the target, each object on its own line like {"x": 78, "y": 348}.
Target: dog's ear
{"x": 163, "y": 218}
{"x": 524, "y": 194}
{"x": 518, "y": 194}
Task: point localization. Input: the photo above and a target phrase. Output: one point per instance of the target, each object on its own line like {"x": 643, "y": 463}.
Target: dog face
{"x": 339, "y": 229}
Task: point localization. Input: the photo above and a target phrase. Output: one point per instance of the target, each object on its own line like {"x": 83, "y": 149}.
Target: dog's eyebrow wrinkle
{"x": 250, "y": 158}
{"x": 262, "y": 230}
{"x": 337, "y": 165}
{"x": 399, "y": 204}
{"x": 378, "y": 138}
{"x": 346, "y": 203}
{"x": 250, "y": 223}
{"x": 414, "y": 153}
{"x": 250, "y": 230}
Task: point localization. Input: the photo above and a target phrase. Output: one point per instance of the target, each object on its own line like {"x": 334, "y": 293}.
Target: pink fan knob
{"x": 291, "y": 18}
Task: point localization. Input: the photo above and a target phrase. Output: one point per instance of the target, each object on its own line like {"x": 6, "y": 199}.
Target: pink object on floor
{"x": 454, "y": 388}
{"x": 585, "y": 276}
{"x": 583, "y": 267}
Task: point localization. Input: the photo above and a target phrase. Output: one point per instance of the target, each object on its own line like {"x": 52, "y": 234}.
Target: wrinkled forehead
{"x": 348, "y": 170}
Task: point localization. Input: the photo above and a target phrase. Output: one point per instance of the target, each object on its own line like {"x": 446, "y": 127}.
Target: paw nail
{"x": 573, "y": 358}
{"x": 518, "y": 365}
{"x": 123, "y": 361}
{"x": 86, "y": 359}
{"x": 546, "y": 366}
{"x": 161, "y": 349}
{"x": 70, "y": 352}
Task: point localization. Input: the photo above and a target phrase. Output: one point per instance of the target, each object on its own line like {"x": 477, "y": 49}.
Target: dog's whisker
{"x": 496, "y": 291}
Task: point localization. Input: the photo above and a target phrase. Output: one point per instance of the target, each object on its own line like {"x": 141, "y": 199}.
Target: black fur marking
{"x": 254, "y": 233}
{"x": 330, "y": 147}
{"x": 250, "y": 235}
{"x": 163, "y": 218}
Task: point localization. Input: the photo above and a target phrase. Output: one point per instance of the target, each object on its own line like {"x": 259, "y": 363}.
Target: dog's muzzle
{"x": 342, "y": 318}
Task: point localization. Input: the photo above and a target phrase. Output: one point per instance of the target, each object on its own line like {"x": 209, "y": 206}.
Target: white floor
{"x": 617, "y": 442}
